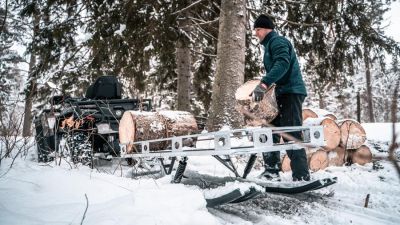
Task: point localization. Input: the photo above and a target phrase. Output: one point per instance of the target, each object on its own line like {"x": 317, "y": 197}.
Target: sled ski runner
{"x": 236, "y": 196}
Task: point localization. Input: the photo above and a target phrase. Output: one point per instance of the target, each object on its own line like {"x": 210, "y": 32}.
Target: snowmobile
{"x": 83, "y": 128}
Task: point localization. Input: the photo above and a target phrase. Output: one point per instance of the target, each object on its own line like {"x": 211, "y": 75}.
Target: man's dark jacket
{"x": 281, "y": 65}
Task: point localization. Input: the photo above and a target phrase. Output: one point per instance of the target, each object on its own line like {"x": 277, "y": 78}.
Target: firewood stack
{"x": 344, "y": 138}
{"x": 344, "y": 142}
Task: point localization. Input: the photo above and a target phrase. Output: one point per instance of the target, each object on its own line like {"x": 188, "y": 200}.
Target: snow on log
{"x": 140, "y": 126}
{"x": 361, "y": 156}
{"x": 331, "y": 130}
{"x": 352, "y": 134}
{"x": 316, "y": 113}
{"x": 318, "y": 160}
{"x": 337, "y": 156}
{"x": 256, "y": 113}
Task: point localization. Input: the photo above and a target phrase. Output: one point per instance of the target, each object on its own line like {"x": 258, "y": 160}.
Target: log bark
{"x": 332, "y": 135}
{"x": 352, "y": 134}
{"x": 316, "y": 113}
{"x": 337, "y": 156}
{"x": 140, "y": 126}
{"x": 361, "y": 156}
{"x": 318, "y": 160}
{"x": 256, "y": 113}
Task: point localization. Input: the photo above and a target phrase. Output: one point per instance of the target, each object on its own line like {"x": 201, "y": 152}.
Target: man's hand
{"x": 259, "y": 91}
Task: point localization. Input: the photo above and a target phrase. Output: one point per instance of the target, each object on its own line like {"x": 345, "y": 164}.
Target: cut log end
{"x": 361, "y": 156}
{"x": 352, "y": 134}
{"x": 286, "y": 164}
{"x": 318, "y": 160}
{"x": 140, "y": 126}
{"x": 337, "y": 156}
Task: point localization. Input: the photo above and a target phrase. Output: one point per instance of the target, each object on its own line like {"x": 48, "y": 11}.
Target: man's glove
{"x": 259, "y": 91}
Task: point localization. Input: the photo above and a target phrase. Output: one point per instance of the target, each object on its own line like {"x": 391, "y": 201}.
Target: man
{"x": 282, "y": 68}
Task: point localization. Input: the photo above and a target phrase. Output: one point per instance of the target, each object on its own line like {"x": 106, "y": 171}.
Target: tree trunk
{"x": 31, "y": 88}
{"x": 140, "y": 126}
{"x": 368, "y": 83}
{"x": 321, "y": 99}
{"x": 230, "y": 65}
{"x": 183, "y": 62}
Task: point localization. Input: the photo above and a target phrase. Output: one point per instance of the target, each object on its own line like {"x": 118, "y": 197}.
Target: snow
{"x": 38, "y": 193}
{"x": 380, "y": 131}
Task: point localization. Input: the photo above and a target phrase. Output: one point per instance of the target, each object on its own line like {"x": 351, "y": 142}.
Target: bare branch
{"x": 186, "y": 8}
{"x": 87, "y": 206}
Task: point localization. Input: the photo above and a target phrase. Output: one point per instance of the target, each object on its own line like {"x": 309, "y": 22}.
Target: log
{"x": 361, "y": 156}
{"x": 256, "y": 113}
{"x": 318, "y": 160}
{"x": 285, "y": 163}
{"x": 140, "y": 126}
{"x": 336, "y": 156}
{"x": 316, "y": 113}
{"x": 331, "y": 131}
{"x": 352, "y": 134}
{"x": 285, "y": 166}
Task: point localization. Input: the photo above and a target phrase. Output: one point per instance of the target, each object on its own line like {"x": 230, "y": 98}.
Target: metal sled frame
{"x": 262, "y": 141}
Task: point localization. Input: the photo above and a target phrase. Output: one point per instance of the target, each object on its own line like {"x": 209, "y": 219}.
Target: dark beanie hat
{"x": 264, "y": 21}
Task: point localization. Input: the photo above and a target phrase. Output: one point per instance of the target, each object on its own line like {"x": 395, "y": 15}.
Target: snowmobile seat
{"x": 105, "y": 87}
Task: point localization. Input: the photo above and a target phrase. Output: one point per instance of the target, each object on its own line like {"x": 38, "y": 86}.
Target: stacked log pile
{"x": 344, "y": 141}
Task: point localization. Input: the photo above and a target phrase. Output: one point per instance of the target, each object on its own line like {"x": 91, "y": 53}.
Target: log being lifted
{"x": 331, "y": 131}
{"x": 140, "y": 126}
{"x": 361, "y": 156}
{"x": 317, "y": 113}
{"x": 256, "y": 113}
{"x": 352, "y": 134}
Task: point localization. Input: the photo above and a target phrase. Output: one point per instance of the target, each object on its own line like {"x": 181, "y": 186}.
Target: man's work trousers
{"x": 290, "y": 114}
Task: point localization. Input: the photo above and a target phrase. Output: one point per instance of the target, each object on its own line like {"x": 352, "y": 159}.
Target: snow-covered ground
{"x": 32, "y": 193}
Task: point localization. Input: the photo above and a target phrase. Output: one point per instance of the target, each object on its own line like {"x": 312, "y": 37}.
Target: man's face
{"x": 260, "y": 33}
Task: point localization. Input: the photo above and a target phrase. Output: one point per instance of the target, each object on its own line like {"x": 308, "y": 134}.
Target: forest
{"x": 177, "y": 53}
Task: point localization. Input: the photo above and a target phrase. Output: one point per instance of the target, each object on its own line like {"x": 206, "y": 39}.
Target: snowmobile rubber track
{"x": 312, "y": 185}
